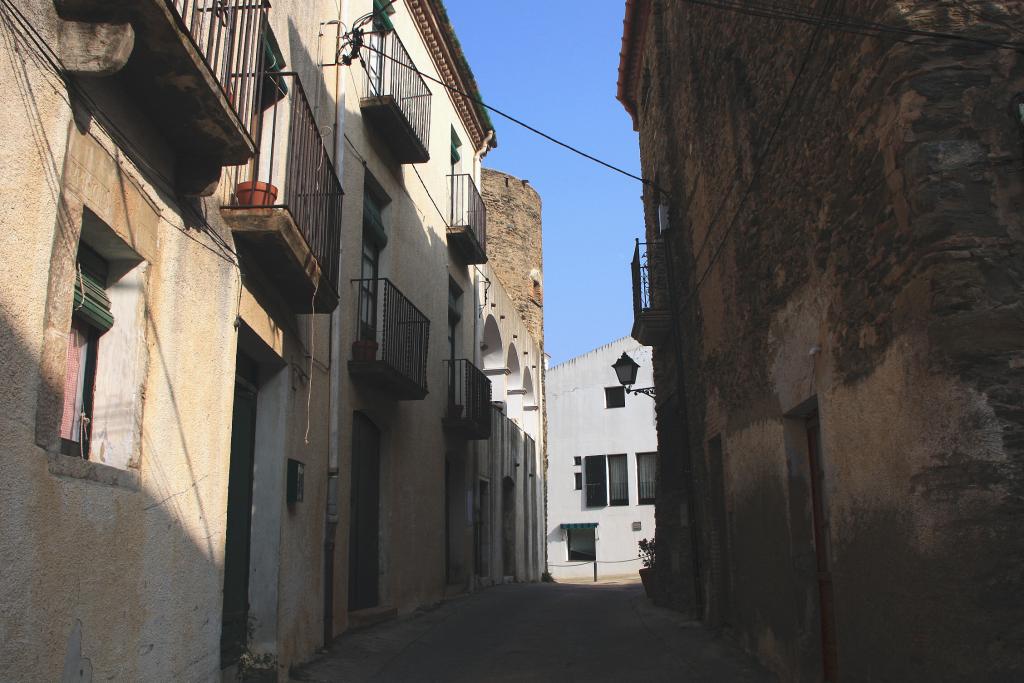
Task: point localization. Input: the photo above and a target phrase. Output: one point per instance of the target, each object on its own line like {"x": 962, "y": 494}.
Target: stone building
{"x": 205, "y": 341}
{"x": 831, "y": 281}
{"x": 602, "y": 464}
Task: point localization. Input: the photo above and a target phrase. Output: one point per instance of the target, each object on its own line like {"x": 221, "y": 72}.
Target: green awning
{"x": 580, "y": 525}
{"x": 90, "y": 300}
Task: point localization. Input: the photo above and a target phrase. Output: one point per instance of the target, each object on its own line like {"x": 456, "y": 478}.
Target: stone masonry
{"x": 845, "y": 268}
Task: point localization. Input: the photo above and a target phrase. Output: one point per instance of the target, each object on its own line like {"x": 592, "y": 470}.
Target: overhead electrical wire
{"x": 41, "y": 50}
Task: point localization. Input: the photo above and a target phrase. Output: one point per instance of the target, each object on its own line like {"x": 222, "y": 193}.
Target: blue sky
{"x": 554, "y": 65}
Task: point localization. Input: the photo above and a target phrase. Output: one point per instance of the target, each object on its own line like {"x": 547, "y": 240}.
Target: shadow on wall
{"x": 104, "y": 582}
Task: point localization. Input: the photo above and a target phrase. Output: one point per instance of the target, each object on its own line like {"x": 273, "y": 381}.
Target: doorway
{"x": 364, "y": 532}
{"x": 508, "y": 526}
{"x": 235, "y": 608}
{"x": 829, "y": 644}
{"x": 483, "y": 530}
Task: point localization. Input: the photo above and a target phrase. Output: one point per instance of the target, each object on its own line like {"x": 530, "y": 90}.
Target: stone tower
{"x": 514, "y": 247}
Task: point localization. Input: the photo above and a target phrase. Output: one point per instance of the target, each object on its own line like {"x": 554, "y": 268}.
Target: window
{"x": 454, "y": 316}
{"x": 646, "y": 467}
{"x": 578, "y": 477}
{"x": 91, "y": 317}
{"x": 618, "y": 484}
{"x": 582, "y": 546}
{"x": 614, "y": 397}
{"x": 577, "y": 461}
{"x": 374, "y": 240}
{"x": 596, "y": 481}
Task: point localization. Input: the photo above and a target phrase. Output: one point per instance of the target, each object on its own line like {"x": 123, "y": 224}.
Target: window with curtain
{"x": 618, "y": 480}
{"x": 374, "y": 240}
{"x": 646, "y": 467}
{"x": 597, "y": 481}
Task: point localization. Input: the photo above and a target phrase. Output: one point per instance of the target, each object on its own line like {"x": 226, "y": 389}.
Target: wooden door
{"x": 364, "y": 530}
{"x": 829, "y": 643}
{"x": 235, "y": 608}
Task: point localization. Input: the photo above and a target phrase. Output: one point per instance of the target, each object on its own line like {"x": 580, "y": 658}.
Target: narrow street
{"x": 607, "y": 631}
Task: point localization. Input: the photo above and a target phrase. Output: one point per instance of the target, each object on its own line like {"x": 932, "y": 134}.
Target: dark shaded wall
{"x": 847, "y": 239}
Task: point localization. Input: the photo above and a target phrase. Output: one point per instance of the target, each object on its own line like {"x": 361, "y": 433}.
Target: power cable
{"x": 43, "y": 51}
{"x": 503, "y": 114}
{"x": 811, "y": 44}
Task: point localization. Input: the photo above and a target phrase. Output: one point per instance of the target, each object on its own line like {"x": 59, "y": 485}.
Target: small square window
{"x": 615, "y": 397}
{"x": 577, "y": 461}
{"x": 579, "y": 481}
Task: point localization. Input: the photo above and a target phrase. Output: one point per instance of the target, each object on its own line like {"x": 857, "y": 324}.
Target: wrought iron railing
{"x": 293, "y": 170}
{"x": 466, "y": 207}
{"x": 648, "y": 276}
{"x": 469, "y": 393}
{"x": 398, "y": 333}
{"x": 390, "y": 71}
{"x": 229, "y": 35}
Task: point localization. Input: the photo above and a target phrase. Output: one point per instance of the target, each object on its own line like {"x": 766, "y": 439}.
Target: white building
{"x": 602, "y": 459}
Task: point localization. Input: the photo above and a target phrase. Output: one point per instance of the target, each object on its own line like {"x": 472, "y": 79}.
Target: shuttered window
{"x": 597, "y": 481}
{"x": 90, "y": 317}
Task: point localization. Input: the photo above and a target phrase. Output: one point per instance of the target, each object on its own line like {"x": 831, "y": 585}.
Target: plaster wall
{"x": 115, "y": 564}
{"x": 581, "y": 425}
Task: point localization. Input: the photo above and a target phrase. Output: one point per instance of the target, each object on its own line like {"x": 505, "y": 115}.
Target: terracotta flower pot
{"x": 645, "y": 579}
{"x": 364, "y": 349}
{"x": 255, "y": 193}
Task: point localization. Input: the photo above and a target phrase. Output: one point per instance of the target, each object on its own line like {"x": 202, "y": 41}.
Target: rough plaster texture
{"x": 115, "y": 564}
{"x": 874, "y": 268}
{"x": 581, "y": 425}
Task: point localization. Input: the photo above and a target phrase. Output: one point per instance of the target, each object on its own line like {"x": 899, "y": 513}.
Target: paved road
{"x": 538, "y": 632}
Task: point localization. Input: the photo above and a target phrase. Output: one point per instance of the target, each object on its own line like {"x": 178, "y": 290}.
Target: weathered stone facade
{"x": 845, "y": 248}
{"x": 514, "y": 245}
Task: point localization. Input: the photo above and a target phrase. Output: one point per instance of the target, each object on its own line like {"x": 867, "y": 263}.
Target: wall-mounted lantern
{"x": 625, "y": 370}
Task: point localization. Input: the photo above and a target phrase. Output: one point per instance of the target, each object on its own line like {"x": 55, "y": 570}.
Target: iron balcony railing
{"x": 392, "y": 330}
{"x": 648, "y": 276}
{"x": 390, "y": 72}
{"x": 466, "y": 207}
{"x": 292, "y": 170}
{"x": 228, "y": 35}
{"x": 469, "y": 394}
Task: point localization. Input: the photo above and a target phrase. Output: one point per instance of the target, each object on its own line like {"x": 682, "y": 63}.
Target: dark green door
{"x": 364, "y": 533}
{"x": 239, "y": 518}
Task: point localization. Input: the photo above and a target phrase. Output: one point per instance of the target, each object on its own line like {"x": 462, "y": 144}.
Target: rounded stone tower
{"x": 514, "y": 244}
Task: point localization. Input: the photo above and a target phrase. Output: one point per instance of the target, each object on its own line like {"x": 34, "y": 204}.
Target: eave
{"x": 634, "y": 39}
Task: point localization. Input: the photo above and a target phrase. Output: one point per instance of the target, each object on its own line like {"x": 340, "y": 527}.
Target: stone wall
{"x": 514, "y": 245}
{"x": 846, "y": 244}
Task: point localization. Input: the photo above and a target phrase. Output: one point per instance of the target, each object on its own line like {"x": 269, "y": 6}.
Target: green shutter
{"x": 381, "y": 21}
{"x": 90, "y": 301}
{"x": 456, "y": 143}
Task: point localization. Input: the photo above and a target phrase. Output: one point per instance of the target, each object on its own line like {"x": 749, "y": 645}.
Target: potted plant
{"x": 647, "y": 556}
{"x": 255, "y": 193}
{"x": 364, "y": 349}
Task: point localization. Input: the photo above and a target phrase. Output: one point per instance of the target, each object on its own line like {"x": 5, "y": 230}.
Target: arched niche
{"x": 514, "y": 392}
{"x": 492, "y": 352}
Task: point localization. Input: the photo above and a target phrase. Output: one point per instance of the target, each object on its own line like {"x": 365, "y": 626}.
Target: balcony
{"x": 286, "y": 209}
{"x": 390, "y": 351}
{"x": 469, "y": 401}
{"x": 652, "y": 319}
{"x": 467, "y": 219}
{"x": 396, "y": 100}
{"x": 194, "y": 69}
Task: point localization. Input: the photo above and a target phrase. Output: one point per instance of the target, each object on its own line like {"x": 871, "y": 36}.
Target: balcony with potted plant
{"x": 286, "y": 210}
{"x": 389, "y": 353}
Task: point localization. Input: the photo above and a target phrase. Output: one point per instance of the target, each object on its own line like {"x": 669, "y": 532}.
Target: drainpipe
{"x": 334, "y": 445}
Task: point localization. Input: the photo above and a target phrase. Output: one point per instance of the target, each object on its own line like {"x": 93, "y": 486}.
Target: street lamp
{"x": 625, "y": 369}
